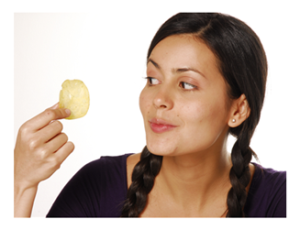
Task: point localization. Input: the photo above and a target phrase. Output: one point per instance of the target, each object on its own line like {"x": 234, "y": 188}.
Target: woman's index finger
{"x": 46, "y": 117}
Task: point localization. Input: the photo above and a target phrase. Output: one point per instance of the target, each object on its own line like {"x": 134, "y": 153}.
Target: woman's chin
{"x": 161, "y": 149}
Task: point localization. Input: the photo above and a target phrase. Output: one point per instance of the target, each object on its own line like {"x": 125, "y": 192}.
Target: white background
{"x": 105, "y": 45}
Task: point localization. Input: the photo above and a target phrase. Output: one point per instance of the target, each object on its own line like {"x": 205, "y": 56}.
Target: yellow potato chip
{"x": 75, "y": 97}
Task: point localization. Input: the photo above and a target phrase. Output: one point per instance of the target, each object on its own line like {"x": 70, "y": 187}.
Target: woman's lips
{"x": 160, "y": 126}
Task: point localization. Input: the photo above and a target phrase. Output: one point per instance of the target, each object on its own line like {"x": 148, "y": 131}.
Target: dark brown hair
{"x": 243, "y": 64}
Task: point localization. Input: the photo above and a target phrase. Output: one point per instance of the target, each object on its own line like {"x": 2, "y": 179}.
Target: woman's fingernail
{"x": 68, "y": 112}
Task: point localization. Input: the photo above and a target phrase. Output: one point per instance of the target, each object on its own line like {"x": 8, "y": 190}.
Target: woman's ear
{"x": 240, "y": 111}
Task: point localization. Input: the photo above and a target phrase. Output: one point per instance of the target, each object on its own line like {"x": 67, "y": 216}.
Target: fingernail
{"x": 68, "y": 112}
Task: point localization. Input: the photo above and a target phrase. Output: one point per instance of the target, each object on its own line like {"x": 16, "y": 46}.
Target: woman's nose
{"x": 163, "y": 99}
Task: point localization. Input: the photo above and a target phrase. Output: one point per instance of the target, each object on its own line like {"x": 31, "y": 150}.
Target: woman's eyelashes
{"x": 152, "y": 81}
{"x": 187, "y": 86}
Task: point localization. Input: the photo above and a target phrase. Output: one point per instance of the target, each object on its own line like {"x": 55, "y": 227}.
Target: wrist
{"x": 20, "y": 189}
{"x": 23, "y": 200}
{"x": 21, "y": 184}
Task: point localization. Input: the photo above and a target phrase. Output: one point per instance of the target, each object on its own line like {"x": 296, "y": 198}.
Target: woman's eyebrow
{"x": 153, "y": 62}
{"x": 179, "y": 70}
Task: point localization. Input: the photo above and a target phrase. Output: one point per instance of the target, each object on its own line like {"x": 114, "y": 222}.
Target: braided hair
{"x": 143, "y": 176}
{"x": 243, "y": 64}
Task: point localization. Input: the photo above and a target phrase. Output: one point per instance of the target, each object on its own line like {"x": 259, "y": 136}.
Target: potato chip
{"x": 75, "y": 97}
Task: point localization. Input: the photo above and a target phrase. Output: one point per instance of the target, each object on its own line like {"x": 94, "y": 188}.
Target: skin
{"x": 40, "y": 149}
{"x": 193, "y": 180}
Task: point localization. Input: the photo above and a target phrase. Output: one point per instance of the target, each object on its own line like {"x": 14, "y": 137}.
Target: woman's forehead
{"x": 183, "y": 52}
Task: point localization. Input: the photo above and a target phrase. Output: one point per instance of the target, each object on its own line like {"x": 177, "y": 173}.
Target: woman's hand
{"x": 40, "y": 149}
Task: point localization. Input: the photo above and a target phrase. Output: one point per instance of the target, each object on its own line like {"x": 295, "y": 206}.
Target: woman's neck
{"x": 194, "y": 173}
{"x": 195, "y": 183}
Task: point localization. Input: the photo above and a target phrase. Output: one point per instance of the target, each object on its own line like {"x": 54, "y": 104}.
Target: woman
{"x": 206, "y": 77}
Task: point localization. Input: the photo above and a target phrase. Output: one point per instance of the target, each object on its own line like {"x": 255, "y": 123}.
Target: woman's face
{"x": 184, "y": 103}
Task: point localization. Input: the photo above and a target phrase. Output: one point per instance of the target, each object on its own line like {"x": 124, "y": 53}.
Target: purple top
{"x": 99, "y": 189}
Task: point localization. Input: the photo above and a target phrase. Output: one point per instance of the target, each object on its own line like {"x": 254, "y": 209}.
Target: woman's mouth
{"x": 160, "y": 126}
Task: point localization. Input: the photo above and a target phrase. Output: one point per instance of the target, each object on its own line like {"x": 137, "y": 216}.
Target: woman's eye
{"x": 187, "y": 85}
{"x": 152, "y": 81}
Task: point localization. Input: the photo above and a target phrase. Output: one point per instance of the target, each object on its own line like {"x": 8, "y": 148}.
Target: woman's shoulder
{"x": 108, "y": 163}
{"x": 267, "y": 193}
{"x": 96, "y": 190}
{"x": 109, "y": 172}
{"x": 269, "y": 179}
{"x": 106, "y": 168}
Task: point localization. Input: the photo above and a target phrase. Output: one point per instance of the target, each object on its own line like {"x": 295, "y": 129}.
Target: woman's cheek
{"x": 144, "y": 101}
{"x": 195, "y": 111}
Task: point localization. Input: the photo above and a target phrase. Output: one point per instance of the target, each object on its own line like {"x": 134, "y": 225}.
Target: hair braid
{"x": 239, "y": 175}
{"x": 143, "y": 176}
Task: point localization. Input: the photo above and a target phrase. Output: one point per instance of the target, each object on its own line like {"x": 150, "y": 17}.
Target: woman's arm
{"x": 24, "y": 199}
{"x": 40, "y": 149}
